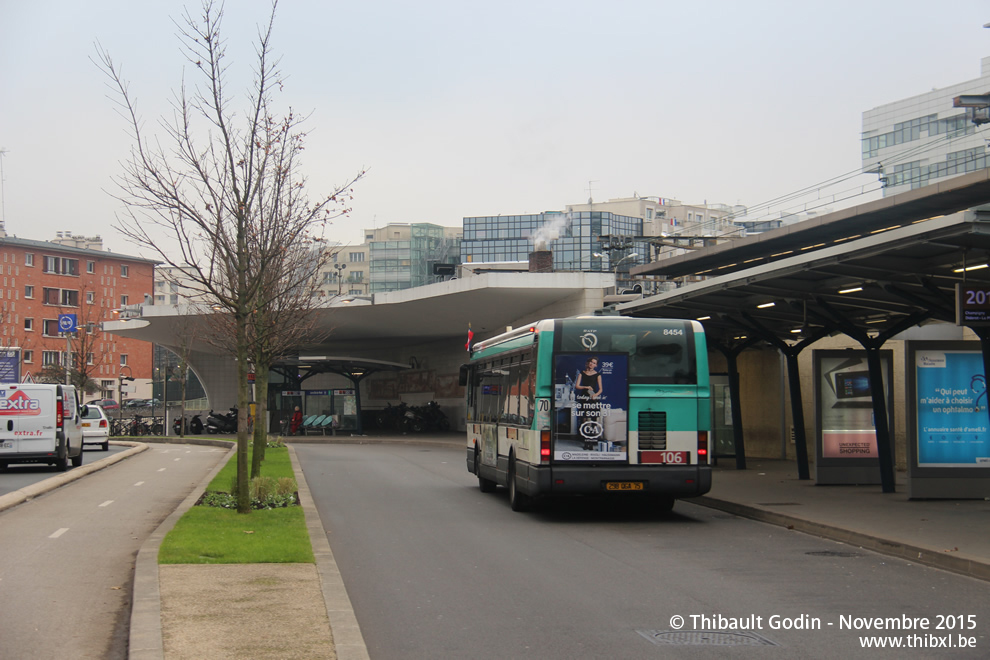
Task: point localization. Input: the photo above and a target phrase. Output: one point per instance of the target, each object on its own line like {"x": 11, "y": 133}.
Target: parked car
{"x": 106, "y": 404}
{"x": 135, "y": 403}
{"x": 96, "y": 427}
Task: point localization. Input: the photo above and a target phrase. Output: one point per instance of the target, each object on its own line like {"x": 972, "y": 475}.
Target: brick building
{"x": 72, "y": 275}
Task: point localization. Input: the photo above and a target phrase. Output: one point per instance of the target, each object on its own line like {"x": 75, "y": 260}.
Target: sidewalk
{"x": 953, "y": 535}
{"x": 947, "y": 534}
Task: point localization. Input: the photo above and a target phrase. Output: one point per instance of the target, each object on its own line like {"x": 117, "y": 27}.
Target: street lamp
{"x": 120, "y": 391}
{"x": 340, "y": 277}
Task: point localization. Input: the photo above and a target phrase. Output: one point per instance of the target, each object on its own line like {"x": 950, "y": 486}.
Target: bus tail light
{"x": 702, "y": 446}
{"x": 545, "y": 446}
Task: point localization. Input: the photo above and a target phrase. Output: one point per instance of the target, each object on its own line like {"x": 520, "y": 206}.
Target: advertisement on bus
{"x": 591, "y": 401}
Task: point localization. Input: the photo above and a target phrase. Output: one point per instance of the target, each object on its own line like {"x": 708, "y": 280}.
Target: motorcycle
{"x": 433, "y": 417}
{"x": 226, "y": 423}
{"x": 194, "y": 425}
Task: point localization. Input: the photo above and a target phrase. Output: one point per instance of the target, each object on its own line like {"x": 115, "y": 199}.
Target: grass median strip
{"x": 214, "y": 535}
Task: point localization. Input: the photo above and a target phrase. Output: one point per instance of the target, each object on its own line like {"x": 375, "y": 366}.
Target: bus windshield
{"x": 660, "y": 351}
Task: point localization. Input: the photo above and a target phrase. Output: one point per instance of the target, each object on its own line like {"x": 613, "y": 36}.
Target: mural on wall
{"x": 383, "y": 388}
{"x": 415, "y": 382}
{"x": 447, "y": 387}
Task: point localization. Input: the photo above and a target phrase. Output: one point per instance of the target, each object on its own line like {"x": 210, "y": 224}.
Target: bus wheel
{"x": 517, "y": 501}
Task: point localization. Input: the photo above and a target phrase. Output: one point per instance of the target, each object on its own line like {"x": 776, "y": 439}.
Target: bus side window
{"x": 510, "y": 405}
{"x": 527, "y": 392}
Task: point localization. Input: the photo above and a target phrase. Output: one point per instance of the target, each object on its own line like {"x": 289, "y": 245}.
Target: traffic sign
{"x": 67, "y": 323}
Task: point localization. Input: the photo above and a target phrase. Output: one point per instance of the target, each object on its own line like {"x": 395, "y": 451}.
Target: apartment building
{"x": 72, "y": 276}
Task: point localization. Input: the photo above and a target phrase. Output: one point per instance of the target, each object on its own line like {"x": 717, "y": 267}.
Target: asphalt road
{"x": 435, "y": 568}
{"x": 67, "y": 557}
{"x": 19, "y": 475}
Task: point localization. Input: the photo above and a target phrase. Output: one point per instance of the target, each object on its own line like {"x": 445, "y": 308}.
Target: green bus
{"x": 608, "y": 405}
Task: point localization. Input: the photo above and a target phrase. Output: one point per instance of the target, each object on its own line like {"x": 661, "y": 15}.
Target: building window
{"x": 29, "y": 324}
{"x": 29, "y": 291}
{"x": 125, "y": 271}
{"x": 160, "y": 299}
{"x": 356, "y": 256}
{"x": 51, "y": 358}
{"x": 29, "y": 356}
{"x": 90, "y": 297}
{"x": 89, "y": 358}
{"x": 123, "y": 300}
{"x": 91, "y": 267}
{"x": 61, "y": 266}
{"x": 61, "y": 297}
{"x": 123, "y": 359}
{"x": 28, "y": 259}
{"x": 174, "y": 299}
{"x": 49, "y": 327}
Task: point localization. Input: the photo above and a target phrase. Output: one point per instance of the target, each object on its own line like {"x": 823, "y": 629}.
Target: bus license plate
{"x": 623, "y": 485}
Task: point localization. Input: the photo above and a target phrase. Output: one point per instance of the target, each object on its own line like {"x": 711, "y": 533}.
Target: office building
{"x": 924, "y": 139}
{"x": 402, "y": 256}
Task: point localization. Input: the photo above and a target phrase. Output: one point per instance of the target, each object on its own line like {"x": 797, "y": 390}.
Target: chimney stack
{"x": 541, "y": 261}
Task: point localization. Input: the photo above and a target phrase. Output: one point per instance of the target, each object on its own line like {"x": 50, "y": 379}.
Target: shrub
{"x": 266, "y": 493}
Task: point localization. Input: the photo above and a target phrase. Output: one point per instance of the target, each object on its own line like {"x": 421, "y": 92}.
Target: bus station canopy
{"x": 879, "y": 267}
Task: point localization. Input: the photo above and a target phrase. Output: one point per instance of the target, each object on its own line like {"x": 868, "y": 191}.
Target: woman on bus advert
{"x": 592, "y": 406}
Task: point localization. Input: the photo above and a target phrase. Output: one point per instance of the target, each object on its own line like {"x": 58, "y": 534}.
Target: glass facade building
{"x": 580, "y": 241}
{"x": 407, "y": 261}
{"x": 924, "y": 139}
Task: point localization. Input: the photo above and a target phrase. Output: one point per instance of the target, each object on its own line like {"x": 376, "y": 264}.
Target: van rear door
{"x": 26, "y": 422}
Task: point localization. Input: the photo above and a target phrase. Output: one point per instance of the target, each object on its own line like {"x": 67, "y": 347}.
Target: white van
{"x": 40, "y": 423}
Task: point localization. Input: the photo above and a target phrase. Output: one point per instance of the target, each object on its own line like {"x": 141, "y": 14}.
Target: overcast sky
{"x": 466, "y": 108}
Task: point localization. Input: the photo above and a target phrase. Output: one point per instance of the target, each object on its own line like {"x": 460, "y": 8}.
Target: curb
{"x": 347, "y": 638}
{"x": 145, "y": 640}
{"x": 22, "y": 495}
{"x": 952, "y": 563}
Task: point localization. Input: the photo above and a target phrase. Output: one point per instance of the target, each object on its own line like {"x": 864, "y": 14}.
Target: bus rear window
{"x": 660, "y": 351}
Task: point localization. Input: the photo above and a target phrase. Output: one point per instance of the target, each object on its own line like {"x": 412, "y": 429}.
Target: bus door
{"x": 489, "y": 404}
{"x": 591, "y": 407}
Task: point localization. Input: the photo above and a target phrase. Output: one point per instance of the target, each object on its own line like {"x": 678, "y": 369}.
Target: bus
{"x": 596, "y": 405}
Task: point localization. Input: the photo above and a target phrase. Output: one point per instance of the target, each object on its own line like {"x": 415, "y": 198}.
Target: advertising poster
{"x": 591, "y": 402}
{"x": 848, "y": 429}
{"x": 952, "y": 409}
{"x": 10, "y": 365}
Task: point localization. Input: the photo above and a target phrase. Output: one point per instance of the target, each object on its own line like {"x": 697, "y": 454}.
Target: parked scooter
{"x": 226, "y": 423}
{"x": 193, "y": 426}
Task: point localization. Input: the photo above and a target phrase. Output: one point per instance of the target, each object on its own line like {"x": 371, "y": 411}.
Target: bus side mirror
{"x": 462, "y": 378}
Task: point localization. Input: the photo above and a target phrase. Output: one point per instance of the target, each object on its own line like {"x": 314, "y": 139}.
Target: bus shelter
{"x": 342, "y": 403}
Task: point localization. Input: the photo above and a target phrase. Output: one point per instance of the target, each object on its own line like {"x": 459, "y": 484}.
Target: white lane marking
{"x": 162, "y": 469}
{"x": 107, "y": 503}
{"x": 59, "y": 533}
{"x": 177, "y": 459}
{"x": 139, "y": 483}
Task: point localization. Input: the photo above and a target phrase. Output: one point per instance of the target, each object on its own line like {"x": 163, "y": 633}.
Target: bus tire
{"x": 517, "y": 501}
{"x": 486, "y": 485}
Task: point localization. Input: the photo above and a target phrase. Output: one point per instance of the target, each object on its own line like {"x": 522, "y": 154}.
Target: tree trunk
{"x": 260, "y": 413}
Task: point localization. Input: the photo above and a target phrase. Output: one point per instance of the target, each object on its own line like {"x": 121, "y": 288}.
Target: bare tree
{"x": 278, "y": 328}
{"x": 228, "y": 191}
